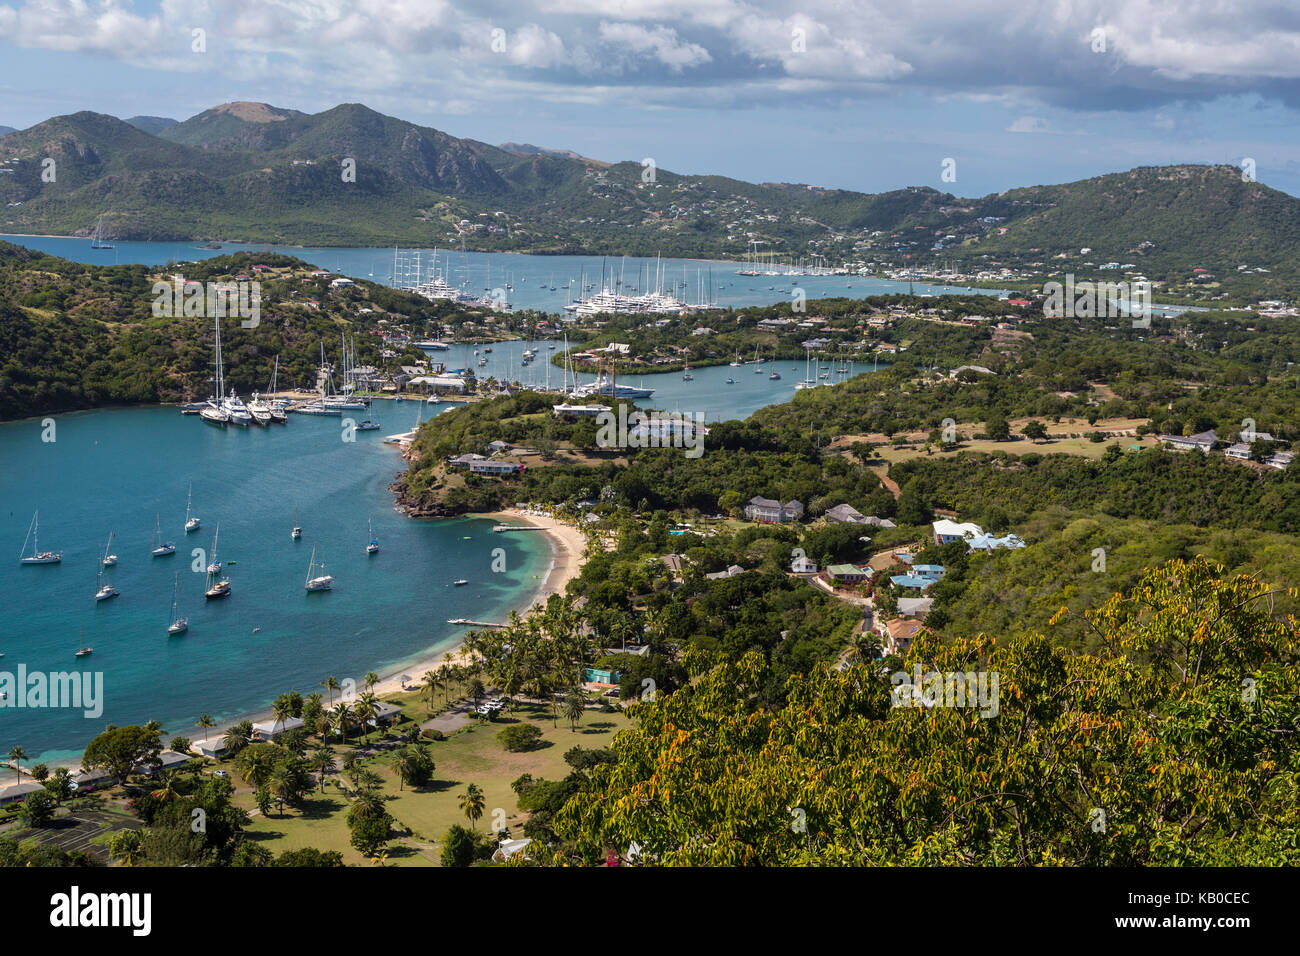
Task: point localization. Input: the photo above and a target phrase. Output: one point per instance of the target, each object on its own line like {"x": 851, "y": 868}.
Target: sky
{"x": 854, "y": 94}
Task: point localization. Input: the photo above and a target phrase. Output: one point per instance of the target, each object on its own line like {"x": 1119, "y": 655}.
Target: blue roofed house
{"x": 921, "y": 576}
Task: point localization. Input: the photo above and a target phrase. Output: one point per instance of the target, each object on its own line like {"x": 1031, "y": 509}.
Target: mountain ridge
{"x": 260, "y": 172}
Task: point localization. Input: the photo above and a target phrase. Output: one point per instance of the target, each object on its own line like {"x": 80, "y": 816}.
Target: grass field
{"x": 472, "y": 755}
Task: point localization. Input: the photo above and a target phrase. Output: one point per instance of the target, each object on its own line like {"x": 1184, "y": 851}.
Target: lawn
{"x": 471, "y": 755}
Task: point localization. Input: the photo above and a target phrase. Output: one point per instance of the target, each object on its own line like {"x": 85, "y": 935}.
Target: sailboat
{"x": 296, "y": 533}
{"x": 98, "y": 242}
{"x": 686, "y": 373}
{"x": 214, "y": 412}
{"x": 37, "y": 556}
{"x": 110, "y": 559}
{"x": 373, "y": 546}
{"x": 215, "y": 566}
{"x": 83, "y": 650}
{"x": 178, "y": 625}
{"x": 315, "y": 582}
{"x": 105, "y": 591}
{"x": 217, "y": 586}
{"x": 191, "y": 522}
{"x": 160, "y": 548}
{"x": 277, "y": 406}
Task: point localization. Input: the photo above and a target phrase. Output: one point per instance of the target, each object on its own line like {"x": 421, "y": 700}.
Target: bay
{"x": 115, "y": 469}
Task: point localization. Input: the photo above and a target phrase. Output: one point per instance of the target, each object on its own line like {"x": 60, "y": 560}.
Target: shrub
{"x": 520, "y": 737}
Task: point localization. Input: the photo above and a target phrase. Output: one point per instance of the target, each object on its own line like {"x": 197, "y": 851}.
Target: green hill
{"x": 151, "y": 124}
{"x": 260, "y": 172}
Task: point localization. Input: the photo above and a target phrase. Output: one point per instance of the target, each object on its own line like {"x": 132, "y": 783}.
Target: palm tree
{"x": 235, "y": 740}
{"x": 472, "y": 803}
{"x": 168, "y": 790}
{"x": 322, "y": 761}
{"x": 575, "y": 705}
{"x": 18, "y": 755}
{"x": 207, "y": 723}
{"x": 431, "y": 683}
{"x": 366, "y": 709}
{"x": 379, "y": 858}
{"x": 404, "y": 765}
{"x": 126, "y": 847}
{"x": 331, "y": 684}
{"x": 281, "y": 710}
{"x": 340, "y": 713}
{"x": 371, "y": 680}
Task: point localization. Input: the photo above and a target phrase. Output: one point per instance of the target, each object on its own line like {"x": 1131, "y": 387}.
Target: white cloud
{"x": 661, "y": 42}
{"x": 1028, "y": 124}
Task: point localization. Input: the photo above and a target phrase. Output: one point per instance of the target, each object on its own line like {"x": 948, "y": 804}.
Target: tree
{"x": 180, "y": 745}
{"x": 59, "y": 784}
{"x": 127, "y": 847}
{"x": 38, "y": 809}
{"x": 207, "y": 723}
{"x": 39, "y": 772}
{"x": 18, "y": 755}
{"x": 472, "y": 803}
{"x": 323, "y": 762}
{"x": 1034, "y": 430}
{"x": 996, "y": 428}
{"x": 1168, "y": 746}
{"x": 413, "y": 766}
{"x": 369, "y": 826}
{"x": 119, "y": 749}
{"x": 520, "y": 737}
{"x": 281, "y": 710}
{"x": 237, "y": 738}
{"x": 459, "y": 847}
{"x": 575, "y": 705}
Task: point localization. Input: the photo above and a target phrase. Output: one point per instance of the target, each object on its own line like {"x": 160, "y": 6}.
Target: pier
{"x": 516, "y": 527}
{"x": 468, "y": 623}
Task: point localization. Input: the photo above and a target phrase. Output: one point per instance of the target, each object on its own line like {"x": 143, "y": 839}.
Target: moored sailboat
{"x": 191, "y": 522}
{"x": 317, "y": 582}
{"x": 37, "y": 556}
{"x": 178, "y": 625}
{"x": 160, "y": 548}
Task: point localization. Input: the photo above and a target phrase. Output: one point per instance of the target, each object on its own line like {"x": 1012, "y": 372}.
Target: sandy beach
{"x": 567, "y": 547}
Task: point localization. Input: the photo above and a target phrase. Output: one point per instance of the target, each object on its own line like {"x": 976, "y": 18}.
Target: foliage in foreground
{"x": 1173, "y": 744}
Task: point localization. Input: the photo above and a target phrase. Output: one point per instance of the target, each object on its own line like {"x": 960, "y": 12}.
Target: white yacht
{"x": 237, "y": 411}
{"x": 106, "y": 590}
{"x": 160, "y": 548}
{"x": 178, "y": 625}
{"x": 317, "y": 582}
{"x": 260, "y": 409}
{"x": 191, "y": 522}
{"x": 109, "y": 559}
{"x": 37, "y": 556}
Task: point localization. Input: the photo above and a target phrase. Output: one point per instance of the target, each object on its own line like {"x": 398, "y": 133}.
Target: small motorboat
{"x": 460, "y": 582}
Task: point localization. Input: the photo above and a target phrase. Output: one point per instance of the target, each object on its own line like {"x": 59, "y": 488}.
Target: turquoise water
{"x": 531, "y": 276}
{"x": 113, "y": 470}
{"x": 707, "y": 394}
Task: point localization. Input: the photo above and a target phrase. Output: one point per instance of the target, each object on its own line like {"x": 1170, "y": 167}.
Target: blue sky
{"x": 848, "y": 93}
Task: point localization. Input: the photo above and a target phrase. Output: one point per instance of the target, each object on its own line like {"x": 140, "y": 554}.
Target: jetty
{"x": 468, "y": 623}
{"x": 517, "y": 527}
